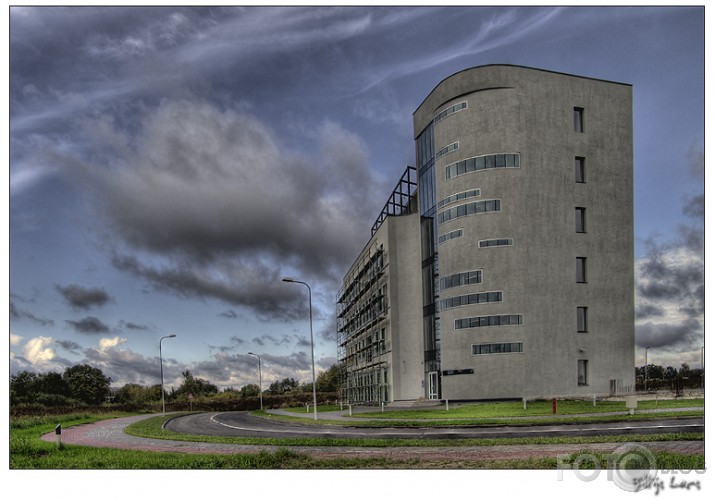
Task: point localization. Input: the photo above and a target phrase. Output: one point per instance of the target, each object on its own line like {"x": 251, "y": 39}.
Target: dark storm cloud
{"x": 268, "y": 299}
{"x": 670, "y": 287}
{"x": 648, "y": 311}
{"x": 69, "y": 345}
{"x": 655, "y": 335}
{"x": 133, "y": 326}
{"x": 90, "y": 325}
{"x": 695, "y": 206}
{"x": 228, "y": 209}
{"x": 83, "y": 298}
{"x": 17, "y": 313}
{"x": 126, "y": 366}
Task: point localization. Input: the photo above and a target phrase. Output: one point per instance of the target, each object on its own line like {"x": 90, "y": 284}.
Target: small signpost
{"x": 631, "y": 404}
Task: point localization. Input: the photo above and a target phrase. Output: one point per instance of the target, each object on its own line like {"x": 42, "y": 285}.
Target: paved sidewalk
{"x": 110, "y": 434}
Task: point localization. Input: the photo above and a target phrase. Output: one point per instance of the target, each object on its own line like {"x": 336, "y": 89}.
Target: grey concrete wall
{"x": 530, "y": 112}
{"x": 405, "y": 292}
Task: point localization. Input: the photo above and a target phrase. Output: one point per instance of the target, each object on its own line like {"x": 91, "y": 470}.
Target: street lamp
{"x": 260, "y": 383}
{"x": 646, "y": 368}
{"x": 312, "y": 349}
{"x": 161, "y": 368}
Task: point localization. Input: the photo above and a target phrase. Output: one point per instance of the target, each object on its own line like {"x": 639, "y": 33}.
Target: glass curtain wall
{"x": 430, "y": 274}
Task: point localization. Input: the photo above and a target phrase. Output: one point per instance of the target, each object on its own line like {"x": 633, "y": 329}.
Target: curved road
{"x": 246, "y": 425}
{"x": 110, "y": 434}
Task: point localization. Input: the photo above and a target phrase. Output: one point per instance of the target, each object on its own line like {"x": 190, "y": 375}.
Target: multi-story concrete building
{"x": 510, "y": 269}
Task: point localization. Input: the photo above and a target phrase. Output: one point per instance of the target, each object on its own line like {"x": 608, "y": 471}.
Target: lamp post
{"x": 260, "y": 383}
{"x": 312, "y": 349}
{"x": 646, "y": 368}
{"x": 161, "y": 368}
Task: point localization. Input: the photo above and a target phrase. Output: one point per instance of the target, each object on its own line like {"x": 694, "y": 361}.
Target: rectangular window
{"x": 580, "y": 220}
{"x": 580, "y": 269}
{"x": 502, "y": 348}
{"x": 578, "y": 119}
{"x": 582, "y": 372}
{"x": 580, "y": 169}
{"x": 582, "y": 319}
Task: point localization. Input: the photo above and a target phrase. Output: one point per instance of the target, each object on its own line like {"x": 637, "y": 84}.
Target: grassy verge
{"x": 486, "y": 422}
{"x": 152, "y": 428}
{"x": 27, "y": 451}
{"x": 516, "y": 409}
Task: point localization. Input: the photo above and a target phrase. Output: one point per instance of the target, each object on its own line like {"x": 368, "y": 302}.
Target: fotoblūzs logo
{"x": 632, "y": 467}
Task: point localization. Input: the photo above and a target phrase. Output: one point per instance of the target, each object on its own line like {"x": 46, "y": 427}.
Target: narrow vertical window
{"x": 580, "y": 220}
{"x": 580, "y": 269}
{"x": 582, "y": 319}
{"x": 578, "y": 119}
{"x": 580, "y": 169}
{"x": 582, "y": 372}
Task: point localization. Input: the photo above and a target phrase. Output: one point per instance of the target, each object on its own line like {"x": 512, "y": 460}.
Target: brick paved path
{"x": 110, "y": 434}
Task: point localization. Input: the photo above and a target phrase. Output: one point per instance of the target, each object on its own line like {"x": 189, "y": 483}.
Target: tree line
{"x": 86, "y": 385}
{"x": 669, "y": 377}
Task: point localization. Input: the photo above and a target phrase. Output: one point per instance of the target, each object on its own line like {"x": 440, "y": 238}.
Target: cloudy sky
{"x": 168, "y": 166}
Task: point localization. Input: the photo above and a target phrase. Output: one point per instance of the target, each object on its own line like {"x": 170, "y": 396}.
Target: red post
{"x": 553, "y": 406}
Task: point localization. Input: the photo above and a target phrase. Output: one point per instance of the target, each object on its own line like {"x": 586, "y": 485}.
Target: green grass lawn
{"x": 321, "y": 409}
{"x": 516, "y": 409}
{"x": 27, "y": 451}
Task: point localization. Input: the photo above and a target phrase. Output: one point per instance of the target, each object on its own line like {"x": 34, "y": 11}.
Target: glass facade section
{"x": 460, "y": 279}
{"x": 459, "y": 197}
{"x": 428, "y": 201}
{"x": 481, "y": 321}
{"x": 502, "y": 348}
{"x": 450, "y": 110}
{"x": 472, "y": 298}
{"x": 477, "y": 163}
{"x": 452, "y": 147}
{"x": 476, "y": 207}
{"x": 499, "y": 242}
{"x": 450, "y": 236}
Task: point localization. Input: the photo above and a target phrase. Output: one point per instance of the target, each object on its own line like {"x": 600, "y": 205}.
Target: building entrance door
{"x": 433, "y": 385}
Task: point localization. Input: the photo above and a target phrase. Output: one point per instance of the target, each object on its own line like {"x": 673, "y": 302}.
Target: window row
{"x": 450, "y": 110}
{"x": 458, "y": 197}
{"x": 502, "y": 348}
{"x": 496, "y": 320}
{"x": 460, "y": 279}
{"x": 500, "y": 242}
{"x": 472, "y": 298}
{"x": 452, "y": 147}
{"x": 481, "y": 163}
{"x": 463, "y": 371}
{"x": 475, "y": 207}
{"x": 458, "y": 233}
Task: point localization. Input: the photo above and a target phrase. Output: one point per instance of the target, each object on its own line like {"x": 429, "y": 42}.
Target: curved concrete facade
{"x": 520, "y": 220}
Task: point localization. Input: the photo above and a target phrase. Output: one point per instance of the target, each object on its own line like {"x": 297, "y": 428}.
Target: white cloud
{"x": 105, "y": 343}
{"x": 39, "y": 350}
{"x": 15, "y": 339}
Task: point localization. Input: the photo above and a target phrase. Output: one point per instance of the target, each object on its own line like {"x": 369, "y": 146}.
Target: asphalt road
{"x": 245, "y": 425}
